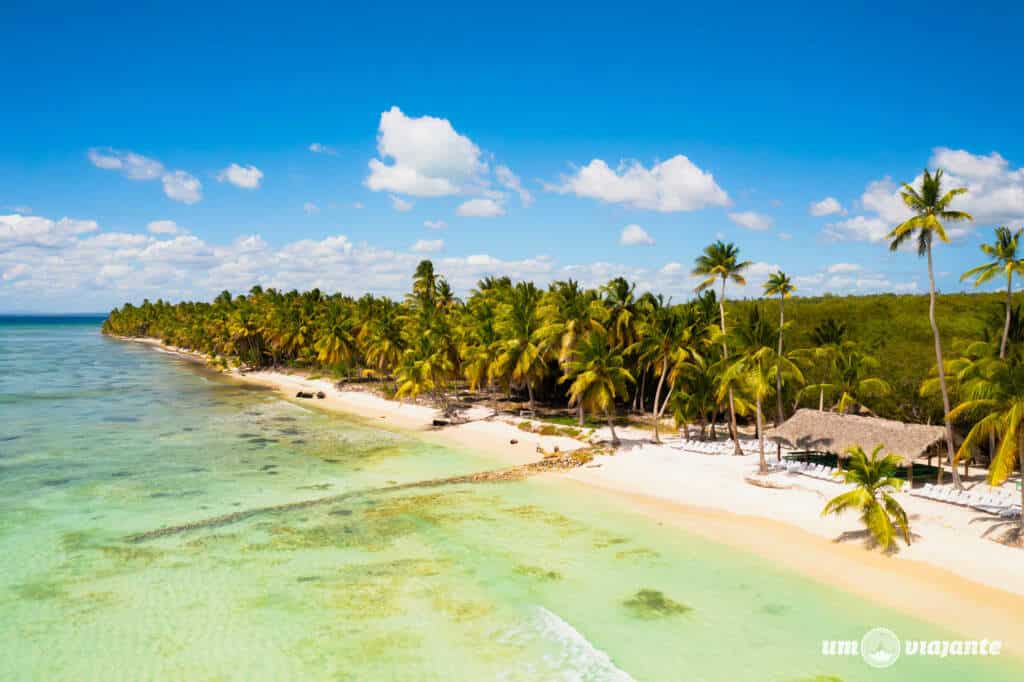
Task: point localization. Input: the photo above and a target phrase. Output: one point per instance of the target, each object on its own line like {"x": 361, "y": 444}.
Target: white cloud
{"x": 673, "y": 185}
{"x": 859, "y": 228}
{"x": 843, "y": 267}
{"x": 400, "y": 204}
{"x": 430, "y": 159}
{"x": 318, "y": 148}
{"x": 826, "y": 206}
{"x": 509, "y": 180}
{"x": 15, "y": 271}
{"x": 133, "y": 166}
{"x": 784, "y": 236}
{"x": 435, "y": 224}
{"x": 964, "y": 164}
{"x": 480, "y": 208}
{"x": 165, "y": 227}
{"x": 246, "y": 177}
{"x": 634, "y": 235}
{"x": 309, "y": 208}
{"x": 427, "y": 245}
{"x": 178, "y": 185}
{"x": 672, "y": 268}
{"x": 20, "y": 230}
{"x": 357, "y": 204}
{"x": 995, "y": 196}
{"x": 752, "y": 220}
{"x": 73, "y": 265}
{"x": 182, "y": 187}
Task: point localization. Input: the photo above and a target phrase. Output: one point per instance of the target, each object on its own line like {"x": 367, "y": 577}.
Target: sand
{"x": 951, "y": 575}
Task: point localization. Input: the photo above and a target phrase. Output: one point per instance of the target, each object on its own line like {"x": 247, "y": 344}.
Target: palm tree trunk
{"x": 657, "y": 397}
{"x": 762, "y": 465}
{"x": 779, "y": 414}
{"x": 529, "y": 391}
{"x": 611, "y": 425}
{"x": 950, "y": 451}
{"x": 821, "y": 400}
{"x": 643, "y": 388}
{"x": 725, "y": 356}
{"x": 579, "y": 414}
{"x": 1006, "y": 325}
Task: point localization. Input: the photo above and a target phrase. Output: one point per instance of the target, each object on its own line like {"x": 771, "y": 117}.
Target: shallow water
{"x": 535, "y": 580}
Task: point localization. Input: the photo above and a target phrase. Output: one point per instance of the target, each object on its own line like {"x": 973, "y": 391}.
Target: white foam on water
{"x": 569, "y": 656}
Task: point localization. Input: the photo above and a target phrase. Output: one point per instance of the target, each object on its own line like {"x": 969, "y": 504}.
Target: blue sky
{"x": 662, "y": 124}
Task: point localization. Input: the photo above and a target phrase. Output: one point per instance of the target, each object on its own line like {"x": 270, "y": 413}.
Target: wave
{"x": 570, "y": 656}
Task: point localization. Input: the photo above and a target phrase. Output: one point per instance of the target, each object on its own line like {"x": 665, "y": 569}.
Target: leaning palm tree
{"x": 993, "y": 392}
{"x": 779, "y": 284}
{"x": 931, "y": 207}
{"x": 1004, "y": 261}
{"x": 598, "y": 376}
{"x": 882, "y": 515}
{"x": 720, "y": 261}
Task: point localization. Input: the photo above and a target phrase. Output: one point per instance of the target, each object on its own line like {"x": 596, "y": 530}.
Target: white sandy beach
{"x": 950, "y": 575}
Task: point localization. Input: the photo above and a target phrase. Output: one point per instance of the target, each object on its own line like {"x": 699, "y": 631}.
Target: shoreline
{"x": 950, "y": 576}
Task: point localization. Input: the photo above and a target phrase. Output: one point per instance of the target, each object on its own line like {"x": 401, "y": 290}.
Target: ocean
{"x": 159, "y": 521}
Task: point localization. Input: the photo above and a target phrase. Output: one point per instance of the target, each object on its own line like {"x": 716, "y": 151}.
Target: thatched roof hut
{"x": 831, "y": 432}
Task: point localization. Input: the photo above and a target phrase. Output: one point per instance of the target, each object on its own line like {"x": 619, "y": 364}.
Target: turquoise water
{"x": 101, "y": 440}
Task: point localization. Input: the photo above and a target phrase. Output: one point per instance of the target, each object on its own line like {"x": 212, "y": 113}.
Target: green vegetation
{"x": 882, "y": 515}
{"x": 607, "y": 351}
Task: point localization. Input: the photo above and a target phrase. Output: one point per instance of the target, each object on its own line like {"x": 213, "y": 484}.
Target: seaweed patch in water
{"x": 537, "y": 572}
{"x": 639, "y": 553}
{"x": 648, "y": 604}
{"x": 39, "y": 590}
{"x": 774, "y": 609}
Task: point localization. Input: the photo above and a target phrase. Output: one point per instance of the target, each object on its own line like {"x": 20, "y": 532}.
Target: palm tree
{"x": 1003, "y": 255}
{"x": 853, "y": 384}
{"x": 335, "y": 341}
{"x": 695, "y": 396}
{"x": 753, "y": 373}
{"x": 780, "y": 285}
{"x": 664, "y": 337}
{"x": 598, "y": 376}
{"x": 720, "y": 261}
{"x": 621, "y": 304}
{"x": 381, "y": 336}
{"x": 521, "y": 361}
{"x": 881, "y": 514}
{"x": 826, "y": 338}
{"x": 568, "y": 312}
{"x": 993, "y": 392}
{"x": 931, "y": 206}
